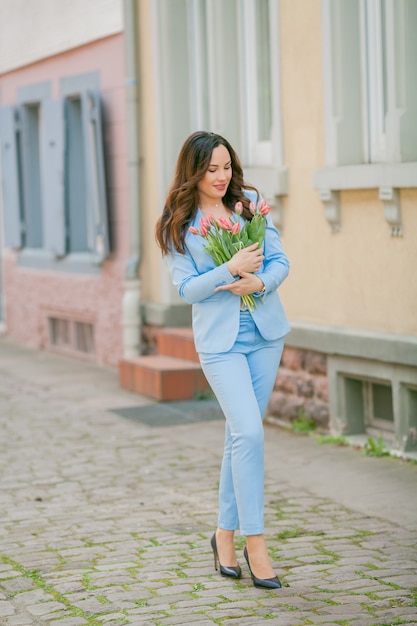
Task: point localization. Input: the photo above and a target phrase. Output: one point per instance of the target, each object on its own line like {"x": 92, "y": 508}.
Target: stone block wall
{"x": 301, "y": 387}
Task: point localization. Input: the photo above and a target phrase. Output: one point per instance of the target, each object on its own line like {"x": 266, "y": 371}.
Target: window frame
{"x": 375, "y": 80}
{"x": 257, "y": 152}
{"x": 53, "y": 255}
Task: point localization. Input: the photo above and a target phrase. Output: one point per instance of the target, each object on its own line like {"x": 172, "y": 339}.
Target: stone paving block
{"x": 112, "y": 618}
{"x": 68, "y": 621}
{"x": 351, "y": 618}
{"x": 18, "y": 620}
{"x": 6, "y": 608}
{"x": 402, "y": 580}
{"x": 278, "y": 620}
{"x": 26, "y": 598}
{"x": 18, "y": 584}
{"x": 45, "y": 608}
{"x": 166, "y": 621}
{"x": 382, "y": 621}
{"x": 8, "y": 574}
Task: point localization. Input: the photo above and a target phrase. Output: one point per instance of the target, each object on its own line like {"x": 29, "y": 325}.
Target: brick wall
{"x": 301, "y": 386}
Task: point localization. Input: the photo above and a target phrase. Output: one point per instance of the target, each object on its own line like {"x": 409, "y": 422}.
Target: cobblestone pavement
{"x": 108, "y": 521}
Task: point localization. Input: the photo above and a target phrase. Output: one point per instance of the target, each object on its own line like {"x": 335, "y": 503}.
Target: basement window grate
{"x": 59, "y": 332}
{"x": 71, "y": 336}
{"x": 369, "y": 406}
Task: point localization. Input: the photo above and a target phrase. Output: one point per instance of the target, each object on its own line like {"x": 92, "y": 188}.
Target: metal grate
{"x": 172, "y": 413}
{"x": 84, "y": 337}
{"x": 59, "y": 332}
{"x": 71, "y": 336}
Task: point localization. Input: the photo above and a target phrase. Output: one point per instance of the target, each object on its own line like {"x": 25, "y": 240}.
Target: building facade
{"x": 64, "y": 179}
{"x": 319, "y": 99}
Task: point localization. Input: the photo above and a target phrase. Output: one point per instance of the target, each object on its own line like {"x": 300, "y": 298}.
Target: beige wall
{"x": 31, "y": 30}
{"x": 150, "y": 269}
{"x": 360, "y": 277}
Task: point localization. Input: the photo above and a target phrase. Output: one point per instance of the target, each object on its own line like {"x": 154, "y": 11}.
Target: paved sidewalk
{"x": 106, "y": 520}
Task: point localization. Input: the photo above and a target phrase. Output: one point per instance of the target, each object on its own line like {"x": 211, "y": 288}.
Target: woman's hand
{"x": 246, "y": 260}
{"x": 248, "y": 283}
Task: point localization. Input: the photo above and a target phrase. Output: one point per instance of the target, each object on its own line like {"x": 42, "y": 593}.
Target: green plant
{"x": 290, "y": 533}
{"x": 303, "y": 424}
{"x": 338, "y": 441}
{"x": 206, "y": 394}
{"x": 376, "y": 448}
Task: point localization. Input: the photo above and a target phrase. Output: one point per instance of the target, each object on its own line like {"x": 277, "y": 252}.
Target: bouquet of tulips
{"x": 226, "y": 236}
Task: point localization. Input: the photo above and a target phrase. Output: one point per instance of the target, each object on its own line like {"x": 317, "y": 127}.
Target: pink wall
{"x": 30, "y": 294}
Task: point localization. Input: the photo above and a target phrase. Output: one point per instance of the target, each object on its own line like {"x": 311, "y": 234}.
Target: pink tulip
{"x": 224, "y": 223}
{"x": 204, "y": 222}
{"x": 211, "y": 218}
{"x": 252, "y": 208}
{"x": 265, "y": 210}
{"x": 236, "y": 228}
{"x": 203, "y": 231}
{"x": 238, "y": 208}
{"x": 193, "y": 230}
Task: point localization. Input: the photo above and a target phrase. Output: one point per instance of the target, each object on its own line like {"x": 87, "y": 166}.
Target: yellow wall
{"x": 360, "y": 277}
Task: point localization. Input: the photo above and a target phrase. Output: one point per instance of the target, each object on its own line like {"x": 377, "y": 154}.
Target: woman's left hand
{"x": 248, "y": 283}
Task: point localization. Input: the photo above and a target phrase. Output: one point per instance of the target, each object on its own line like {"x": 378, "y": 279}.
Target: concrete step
{"x": 178, "y": 343}
{"x": 162, "y": 377}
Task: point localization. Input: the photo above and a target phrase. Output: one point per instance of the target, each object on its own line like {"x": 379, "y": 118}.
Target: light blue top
{"x": 215, "y": 315}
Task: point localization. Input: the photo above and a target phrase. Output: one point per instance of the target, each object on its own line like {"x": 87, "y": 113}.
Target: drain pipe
{"x": 131, "y": 300}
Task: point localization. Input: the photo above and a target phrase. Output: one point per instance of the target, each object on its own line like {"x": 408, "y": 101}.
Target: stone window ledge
{"x": 388, "y": 178}
{"x": 78, "y": 263}
{"x": 272, "y": 182}
{"x": 355, "y": 343}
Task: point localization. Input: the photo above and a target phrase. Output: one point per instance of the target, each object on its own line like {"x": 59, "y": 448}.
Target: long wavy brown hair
{"x": 182, "y": 200}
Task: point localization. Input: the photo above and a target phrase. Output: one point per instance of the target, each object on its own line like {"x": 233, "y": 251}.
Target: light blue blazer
{"x": 215, "y": 315}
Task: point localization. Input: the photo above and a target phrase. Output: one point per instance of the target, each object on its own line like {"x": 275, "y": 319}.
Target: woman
{"x": 239, "y": 350}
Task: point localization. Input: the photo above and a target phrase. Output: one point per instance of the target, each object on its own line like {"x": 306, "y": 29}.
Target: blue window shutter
{"x": 98, "y": 235}
{"x": 12, "y": 207}
{"x": 53, "y": 195}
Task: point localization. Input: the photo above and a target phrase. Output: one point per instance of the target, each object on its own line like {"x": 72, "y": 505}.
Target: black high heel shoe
{"x": 232, "y": 572}
{"x": 265, "y": 583}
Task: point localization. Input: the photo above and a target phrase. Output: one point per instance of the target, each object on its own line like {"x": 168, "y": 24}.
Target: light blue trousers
{"x": 242, "y": 380}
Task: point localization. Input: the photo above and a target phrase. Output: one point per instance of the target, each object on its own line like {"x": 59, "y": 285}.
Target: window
{"x": 379, "y": 409}
{"x": 370, "y": 102}
{"x": 370, "y": 62}
{"x": 375, "y": 79}
{"x": 369, "y": 407}
{"x": 29, "y": 153}
{"x": 71, "y": 336}
{"x": 408, "y": 405}
{"x": 59, "y": 332}
{"x": 54, "y": 177}
{"x": 258, "y": 64}
{"x": 219, "y": 70}
{"x": 75, "y": 174}
{"x": 84, "y": 337}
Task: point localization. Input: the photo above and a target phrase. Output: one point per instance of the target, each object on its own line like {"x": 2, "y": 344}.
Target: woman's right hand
{"x": 246, "y": 260}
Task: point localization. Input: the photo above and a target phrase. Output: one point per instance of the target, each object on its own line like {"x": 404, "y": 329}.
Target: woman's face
{"x": 213, "y": 186}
